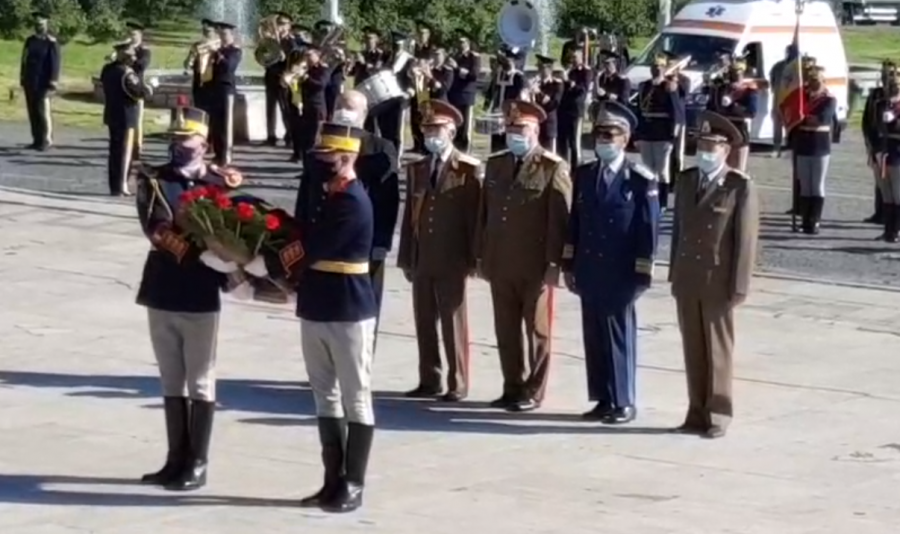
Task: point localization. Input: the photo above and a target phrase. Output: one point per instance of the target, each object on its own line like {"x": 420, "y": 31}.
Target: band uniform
{"x": 506, "y": 85}
{"x": 427, "y": 84}
{"x": 572, "y": 107}
{"x": 277, "y": 95}
{"x": 611, "y": 84}
{"x": 38, "y": 78}
{"x": 437, "y": 248}
{"x": 874, "y": 129}
{"x": 423, "y": 47}
{"x": 714, "y": 244}
{"x": 738, "y": 100}
{"x": 371, "y": 60}
{"x": 464, "y": 91}
{"x": 522, "y": 231}
{"x": 314, "y": 112}
{"x": 339, "y": 68}
{"x": 549, "y": 95}
{"x": 221, "y": 95}
{"x": 200, "y": 78}
{"x": 142, "y": 58}
{"x": 887, "y": 149}
{"x": 389, "y": 116}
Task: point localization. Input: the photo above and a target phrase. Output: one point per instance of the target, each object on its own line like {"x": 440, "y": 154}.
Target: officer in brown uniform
{"x": 522, "y": 231}
{"x": 714, "y": 239}
{"x": 437, "y": 249}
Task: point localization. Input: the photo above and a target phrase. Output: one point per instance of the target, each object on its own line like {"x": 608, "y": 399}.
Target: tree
{"x": 66, "y": 17}
{"x": 15, "y": 16}
{"x": 106, "y": 21}
{"x": 625, "y": 18}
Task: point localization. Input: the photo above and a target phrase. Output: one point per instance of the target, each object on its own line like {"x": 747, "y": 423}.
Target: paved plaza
{"x": 814, "y": 449}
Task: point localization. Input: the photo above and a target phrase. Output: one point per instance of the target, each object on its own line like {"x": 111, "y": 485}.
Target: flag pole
{"x": 795, "y": 182}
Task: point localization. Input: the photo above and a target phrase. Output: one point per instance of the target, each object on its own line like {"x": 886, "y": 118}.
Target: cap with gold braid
{"x": 339, "y": 138}
{"x": 189, "y": 121}
{"x": 439, "y": 112}
{"x": 718, "y": 129}
{"x": 520, "y": 112}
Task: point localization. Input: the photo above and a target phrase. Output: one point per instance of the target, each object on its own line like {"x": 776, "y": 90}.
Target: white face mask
{"x": 708, "y": 162}
{"x": 435, "y": 144}
{"x": 346, "y": 117}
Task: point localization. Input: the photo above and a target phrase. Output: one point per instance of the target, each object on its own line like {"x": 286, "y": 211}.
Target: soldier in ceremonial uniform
{"x": 277, "y": 95}
{"x": 811, "y": 140}
{"x": 872, "y": 129}
{"x": 464, "y": 90}
{"x": 519, "y": 248}
{"x": 181, "y": 294}
{"x": 38, "y": 78}
{"x": 123, "y": 91}
{"x": 547, "y": 92}
{"x": 373, "y": 59}
{"x": 661, "y": 112}
{"x": 142, "y": 57}
{"x": 423, "y": 47}
{"x": 738, "y": 100}
{"x": 608, "y": 261}
{"x": 200, "y": 79}
{"x": 506, "y": 85}
{"x": 612, "y": 84}
{"x": 315, "y": 108}
{"x": 336, "y": 306}
{"x": 714, "y": 243}
{"x": 887, "y": 155}
{"x": 437, "y": 251}
{"x": 390, "y": 115}
{"x": 572, "y": 107}
{"x": 221, "y": 94}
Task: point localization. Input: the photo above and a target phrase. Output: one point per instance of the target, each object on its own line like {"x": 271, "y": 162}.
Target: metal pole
{"x": 332, "y": 11}
{"x": 664, "y": 16}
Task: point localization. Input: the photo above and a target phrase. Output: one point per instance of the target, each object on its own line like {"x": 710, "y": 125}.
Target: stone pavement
{"x": 814, "y": 448}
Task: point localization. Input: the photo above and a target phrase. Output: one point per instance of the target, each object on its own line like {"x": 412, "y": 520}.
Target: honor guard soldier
{"x": 369, "y": 62}
{"x": 506, "y": 85}
{"x": 123, "y": 91}
{"x": 221, "y": 94}
{"x": 142, "y": 57}
{"x": 547, "y": 92}
{"x": 887, "y": 156}
{"x": 277, "y": 95}
{"x": 38, "y": 78}
{"x": 715, "y": 231}
{"x": 337, "y": 309}
{"x": 572, "y": 108}
{"x": 181, "y": 294}
{"x": 313, "y": 83}
{"x": 464, "y": 90}
{"x": 201, "y": 71}
{"x": 423, "y": 47}
{"x": 738, "y": 100}
{"x": 661, "y": 115}
{"x": 811, "y": 140}
{"x": 522, "y": 232}
{"x": 872, "y": 130}
{"x": 612, "y": 85}
{"x": 608, "y": 261}
{"x": 437, "y": 251}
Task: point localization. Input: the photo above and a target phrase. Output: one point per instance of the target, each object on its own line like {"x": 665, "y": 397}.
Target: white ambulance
{"x": 760, "y": 29}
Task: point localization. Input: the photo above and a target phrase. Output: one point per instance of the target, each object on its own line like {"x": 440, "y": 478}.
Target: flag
{"x": 790, "y": 89}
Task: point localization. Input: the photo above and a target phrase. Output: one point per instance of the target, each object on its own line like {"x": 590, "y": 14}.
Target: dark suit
{"x": 463, "y": 93}
{"x": 277, "y": 95}
{"x": 221, "y": 102}
{"x": 315, "y": 109}
{"x": 38, "y": 77}
{"x": 551, "y": 91}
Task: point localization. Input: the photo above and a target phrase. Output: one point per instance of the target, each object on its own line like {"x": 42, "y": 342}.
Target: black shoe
{"x": 620, "y": 416}
{"x": 525, "y": 405}
{"x": 894, "y": 227}
{"x": 295, "y": 159}
{"x": 453, "y": 396}
{"x": 803, "y": 211}
{"x": 505, "y": 401}
{"x": 193, "y": 476}
{"x": 599, "y": 411}
{"x": 176, "y": 411}
{"x": 359, "y": 445}
{"x": 875, "y": 218}
{"x": 32, "y": 146}
{"x": 714, "y": 432}
{"x": 271, "y": 142}
{"x": 331, "y": 436}
{"x": 815, "y": 215}
{"x": 423, "y": 392}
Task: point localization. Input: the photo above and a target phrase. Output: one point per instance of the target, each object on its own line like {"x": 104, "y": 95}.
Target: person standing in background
{"x": 200, "y": 76}
{"x": 38, "y": 78}
{"x": 277, "y": 95}
{"x": 572, "y": 108}
{"x": 547, "y": 92}
{"x": 463, "y": 92}
{"x": 142, "y": 57}
{"x": 221, "y": 94}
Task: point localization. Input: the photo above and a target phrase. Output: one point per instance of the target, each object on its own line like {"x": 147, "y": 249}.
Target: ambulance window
{"x": 754, "y": 55}
{"x": 703, "y": 49}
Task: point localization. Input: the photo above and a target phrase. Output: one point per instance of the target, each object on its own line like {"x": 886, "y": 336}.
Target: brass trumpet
{"x": 200, "y": 58}
{"x": 331, "y": 54}
{"x": 268, "y": 43}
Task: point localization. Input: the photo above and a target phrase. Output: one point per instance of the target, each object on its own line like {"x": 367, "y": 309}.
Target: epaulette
{"x": 552, "y": 156}
{"x": 499, "y": 154}
{"x": 643, "y": 171}
{"x": 468, "y": 160}
{"x": 740, "y": 174}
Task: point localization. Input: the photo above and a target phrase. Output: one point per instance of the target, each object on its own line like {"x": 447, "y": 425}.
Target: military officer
{"x": 507, "y": 84}
{"x": 221, "y": 93}
{"x": 181, "y": 294}
{"x": 738, "y": 100}
{"x": 714, "y": 239}
{"x": 572, "y": 107}
{"x": 123, "y": 91}
{"x": 465, "y": 88}
{"x": 315, "y": 108}
{"x": 811, "y": 140}
{"x": 522, "y": 231}
{"x": 373, "y": 59}
{"x": 38, "y": 78}
{"x": 613, "y": 232}
{"x": 547, "y": 93}
{"x": 437, "y": 250}
{"x": 661, "y": 113}
{"x": 887, "y": 154}
{"x": 200, "y": 77}
{"x": 277, "y": 95}
{"x": 872, "y": 129}
{"x": 336, "y": 306}
{"x": 142, "y": 57}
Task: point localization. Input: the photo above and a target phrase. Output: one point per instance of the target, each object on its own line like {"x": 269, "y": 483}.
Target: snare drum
{"x": 380, "y": 88}
{"x": 491, "y": 124}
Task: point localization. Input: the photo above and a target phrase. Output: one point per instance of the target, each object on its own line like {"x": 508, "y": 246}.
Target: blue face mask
{"x": 607, "y": 152}
{"x": 184, "y": 156}
{"x": 435, "y": 145}
{"x": 708, "y": 162}
{"x": 517, "y": 144}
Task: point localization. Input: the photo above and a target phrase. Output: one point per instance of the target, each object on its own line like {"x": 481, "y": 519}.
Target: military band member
{"x": 123, "y": 91}
{"x": 811, "y": 140}
{"x": 338, "y": 70}
{"x": 570, "y": 47}
{"x": 611, "y": 83}
{"x": 608, "y": 260}
{"x": 277, "y": 95}
{"x": 872, "y": 128}
{"x": 506, "y": 85}
{"x": 572, "y": 107}
{"x": 714, "y": 240}
{"x": 200, "y": 78}
{"x": 522, "y": 232}
{"x": 38, "y": 78}
{"x": 221, "y": 93}
{"x": 181, "y": 294}
{"x": 661, "y": 112}
{"x": 314, "y": 112}
{"x": 423, "y": 47}
{"x": 142, "y": 57}
{"x": 887, "y": 156}
{"x": 464, "y": 90}
{"x": 390, "y": 116}
{"x": 370, "y": 61}
{"x": 336, "y": 306}
{"x": 548, "y": 92}
{"x": 437, "y": 251}
{"x": 738, "y": 100}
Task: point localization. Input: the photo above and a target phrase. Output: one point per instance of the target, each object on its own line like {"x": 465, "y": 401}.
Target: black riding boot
{"x": 803, "y": 211}
{"x": 663, "y": 195}
{"x": 818, "y": 204}
{"x": 887, "y": 220}
{"x": 331, "y": 436}
{"x": 193, "y": 476}
{"x": 878, "y": 216}
{"x": 176, "y": 410}
{"x": 359, "y": 444}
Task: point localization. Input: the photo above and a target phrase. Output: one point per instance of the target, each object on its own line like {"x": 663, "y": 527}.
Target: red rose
{"x": 273, "y": 223}
{"x": 200, "y": 193}
{"x": 223, "y": 202}
{"x": 186, "y": 198}
{"x": 245, "y": 212}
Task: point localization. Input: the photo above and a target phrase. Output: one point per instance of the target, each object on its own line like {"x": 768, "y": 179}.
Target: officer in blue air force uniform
{"x": 613, "y": 233}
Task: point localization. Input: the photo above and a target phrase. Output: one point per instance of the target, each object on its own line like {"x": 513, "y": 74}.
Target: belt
{"x": 816, "y": 128}
{"x": 655, "y": 115}
{"x": 341, "y": 267}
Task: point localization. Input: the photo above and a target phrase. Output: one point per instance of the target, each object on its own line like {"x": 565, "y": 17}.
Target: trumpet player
{"x": 547, "y": 92}
{"x": 738, "y": 100}
{"x": 887, "y": 156}
{"x": 507, "y": 84}
{"x": 193, "y": 65}
{"x": 277, "y": 95}
{"x": 222, "y": 91}
{"x": 463, "y": 92}
{"x": 141, "y": 63}
{"x": 314, "y": 76}
{"x": 337, "y": 65}
{"x": 431, "y": 83}
{"x": 572, "y": 107}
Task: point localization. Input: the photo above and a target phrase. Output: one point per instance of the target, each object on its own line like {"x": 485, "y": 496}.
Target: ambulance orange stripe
{"x": 733, "y": 27}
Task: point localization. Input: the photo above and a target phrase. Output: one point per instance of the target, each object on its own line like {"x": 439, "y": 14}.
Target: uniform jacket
{"x": 40, "y": 63}
{"x": 660, "y": 110}
{"x": 503, "y": 87}
{"x": 465, "y": 86}
{"x": 575, "y": 93}
{"x": 743, "y": 107}
{"x": 174, "y": 279}
{"x": 312, "y": 91}
{"x": 437, "y": 236}
{"x": 613, "y": 231}
{"x": 423, "y": 50}
{"x": 378, "y": 168}
{"x": 614, "y": 84}
{"x": 714, "y": 236}
{"x": 572, "y": 45}
{"x": 812, "y": 137}
{"x": 442, "y": 82}
{"x": 142, "y": 60}
{"x": 552, "y": 89}
{"x": 524, "y": 216}
{"x": 122, "y": 88}
{"x": 373, "y": 61}
{"x": 225, "y": 67}
{"x": 888, "y": 140}
{"x": 872, "y": 127}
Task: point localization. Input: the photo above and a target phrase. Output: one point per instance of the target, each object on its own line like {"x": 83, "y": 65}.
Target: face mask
{"x": 517, "y": 144}
{"x": 184, "y": 156}
{"x": 607, "y": 152}
{"x": 435, "y": 145}
{"x": 708, "y": 162}
{"x": 346, "y": 117}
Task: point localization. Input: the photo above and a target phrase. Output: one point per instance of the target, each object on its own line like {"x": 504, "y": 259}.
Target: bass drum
{"x": 381, "y": 88}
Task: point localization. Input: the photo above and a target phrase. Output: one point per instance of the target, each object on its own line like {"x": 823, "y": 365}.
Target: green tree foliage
{"x": 626, "y": 18}
{"x": 15, "y": 18}
{"x": 106, "y": 21}
{"x": 67, "y": 18}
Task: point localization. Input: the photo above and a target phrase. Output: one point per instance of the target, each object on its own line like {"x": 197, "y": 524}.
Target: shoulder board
{"x": 738, "y": 174}
{"x": 551, "y": 156}
{"x": 499, "y": 154}
{"x": 643, "y": 171}
{"x": 468, "y": 160}
{"x": 418, "y": 161}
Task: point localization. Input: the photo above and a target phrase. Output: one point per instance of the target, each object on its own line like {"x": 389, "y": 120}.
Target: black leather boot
{"x": 193, "y": 476}
{"x": 176, "y": 411}
{"x": 359, "y": 444}
{"x": 815, "y": 216}
{"x": 878, "y": 216}
{"x": 331, "y": 436}
{"x": 803, "y": 211}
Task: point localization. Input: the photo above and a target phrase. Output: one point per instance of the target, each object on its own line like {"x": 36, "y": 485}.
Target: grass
{"x": 83, "y": 60}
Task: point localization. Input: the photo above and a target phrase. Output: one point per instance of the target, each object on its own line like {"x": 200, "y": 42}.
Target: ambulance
{"x": 761, "y": 30}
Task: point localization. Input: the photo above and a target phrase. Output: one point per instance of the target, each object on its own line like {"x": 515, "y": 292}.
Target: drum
{"x": 380, "y": 88}
{"x": 491, "y": 124}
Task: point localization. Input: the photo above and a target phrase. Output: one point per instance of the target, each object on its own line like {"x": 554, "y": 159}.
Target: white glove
{"x": 257, "y": 267}
{"x": 888, "y": 116}
{"x": 726, "y": 101}
{"x": 601, "y": 91}
{"x": 217, "y": 264}
{"x": 242, "y": 292}
{"x": 379, "y": 254}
